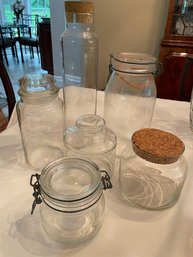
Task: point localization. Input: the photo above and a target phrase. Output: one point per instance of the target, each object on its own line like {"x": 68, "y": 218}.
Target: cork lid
{"x": 79, "y": 11}
{"x": 157, "y": 146}
{"x": 79, "y": 6}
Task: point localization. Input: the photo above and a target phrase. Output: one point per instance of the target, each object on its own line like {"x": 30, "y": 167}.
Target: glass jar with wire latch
{"x": 70, "y": 191}
{"x": 130, "y": 94}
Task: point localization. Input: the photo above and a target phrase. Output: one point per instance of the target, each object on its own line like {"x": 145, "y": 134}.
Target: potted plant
{"x": 18, "y": 8}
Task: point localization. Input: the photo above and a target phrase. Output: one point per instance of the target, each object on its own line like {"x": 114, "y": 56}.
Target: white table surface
{"x": 126, "y": 231}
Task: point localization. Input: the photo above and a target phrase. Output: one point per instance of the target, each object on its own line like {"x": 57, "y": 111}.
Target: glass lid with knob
{"x": 90, "y": 135}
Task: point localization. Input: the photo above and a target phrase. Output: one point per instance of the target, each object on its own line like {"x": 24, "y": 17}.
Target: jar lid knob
{"x": 33, "y": 83}
{"x": 90, "y": 122}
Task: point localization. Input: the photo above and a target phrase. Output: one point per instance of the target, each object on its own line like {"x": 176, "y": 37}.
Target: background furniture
{"x": 45, "y": 45}
{"x": 8, "y": 88}
{"x": 176, "y": 44}
{"x": 176, "y": 82}
{"x": 28, "y": 34}
{"x": 7, "y": 40}
{"x": 3, "y": 121}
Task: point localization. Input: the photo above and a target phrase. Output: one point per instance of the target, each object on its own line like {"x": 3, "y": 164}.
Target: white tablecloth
{"x": 126, "y": 231}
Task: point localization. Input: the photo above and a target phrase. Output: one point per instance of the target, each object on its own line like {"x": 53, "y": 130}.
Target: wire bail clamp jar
{"x": 70, "y": 194}
{"x": 130, "y": 94}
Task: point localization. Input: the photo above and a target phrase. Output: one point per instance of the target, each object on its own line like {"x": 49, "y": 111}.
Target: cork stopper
{"x": 79, "y": 11}
{"x": 157, "y": 146}
{"x": 79, "y": 7}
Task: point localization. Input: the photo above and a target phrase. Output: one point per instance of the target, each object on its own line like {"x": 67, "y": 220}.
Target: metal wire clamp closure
{"x": 34, "y": 182}
{"x": 106, "y": 180}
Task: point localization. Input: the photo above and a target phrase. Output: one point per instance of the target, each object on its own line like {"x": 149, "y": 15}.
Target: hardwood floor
{"x": 17, "y": 70}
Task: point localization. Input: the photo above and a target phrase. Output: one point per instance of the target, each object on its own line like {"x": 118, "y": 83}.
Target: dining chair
{"x": 28, "y": 34}
{"x": 7, "y": 41}
{"x": 7, "y": 85}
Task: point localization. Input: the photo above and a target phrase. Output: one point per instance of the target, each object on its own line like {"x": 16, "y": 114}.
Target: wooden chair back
{"x": 8, "y": 88}
{"x": 6, "y": 41}
{"x": 31, "y": 21}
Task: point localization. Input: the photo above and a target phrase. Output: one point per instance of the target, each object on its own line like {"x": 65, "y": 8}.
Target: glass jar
{"x": 90, "y": 138}
{"x": 153, "y": 169}
{"x": 80, "y": 60}
{"x": 70, "y": 191}
{"x": 41, "y": 120}
{"x": 130, "y": 94}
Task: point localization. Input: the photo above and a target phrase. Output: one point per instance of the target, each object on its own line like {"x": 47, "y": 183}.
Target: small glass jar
{"x": 70, "y": 191}
{"x": 90, "y": 138}
{"x": 153, "y": 169}
{"x": 41, "y": 120}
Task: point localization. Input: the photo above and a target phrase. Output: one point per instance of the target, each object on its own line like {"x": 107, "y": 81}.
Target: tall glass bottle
{"x": 80, "y": 60}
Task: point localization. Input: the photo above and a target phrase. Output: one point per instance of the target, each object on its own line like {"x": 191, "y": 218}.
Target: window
{"x": 7, "y": 10}
{"x": 40, "y": 7}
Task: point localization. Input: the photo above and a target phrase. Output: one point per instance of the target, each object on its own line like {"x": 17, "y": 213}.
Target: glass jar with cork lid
{"x": 153, "y": 169}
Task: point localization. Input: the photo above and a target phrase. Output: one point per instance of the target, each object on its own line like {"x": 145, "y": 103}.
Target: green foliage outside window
{"x": 40, "y": 7}
{"x": 8, "y": 12}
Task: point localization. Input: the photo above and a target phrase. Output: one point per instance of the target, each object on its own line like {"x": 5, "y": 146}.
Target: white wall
{"x": 121, "y": 26}
{"x": 57, "y": 27}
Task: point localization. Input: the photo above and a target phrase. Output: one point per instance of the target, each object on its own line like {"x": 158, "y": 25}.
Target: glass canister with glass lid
{"x": 153, "y": 169}
{"x": 70, "y": 191}
{"x": 90, "y": 138}
{"x": 130, "y": 94}
{"x": 41, "y": 120}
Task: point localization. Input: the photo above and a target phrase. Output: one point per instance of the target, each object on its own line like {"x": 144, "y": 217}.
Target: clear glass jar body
{"x": 80, "y": 64}
{"x": 151, "y": 185}
{"x": 73, "y": 204}
{"x": 130, "y": 94}
{"x": 73, "y": 228}
{"x": 91, "y": 139}
{"x": 41, "y": 120}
